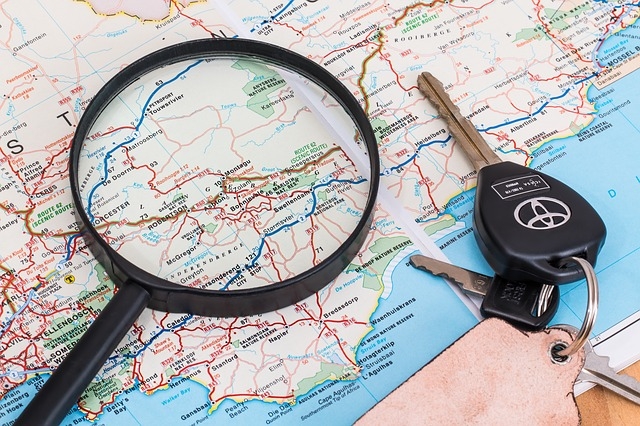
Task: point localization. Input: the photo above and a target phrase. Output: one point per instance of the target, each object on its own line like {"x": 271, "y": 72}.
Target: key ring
{"x": 591, "y": 312}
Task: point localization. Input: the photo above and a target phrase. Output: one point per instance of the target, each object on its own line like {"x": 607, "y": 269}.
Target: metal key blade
{"x": 597, "y": 370}
{"x": 479, "y": 153}
{"x": 471, "y": 282}
{"x": 517, "y": 303}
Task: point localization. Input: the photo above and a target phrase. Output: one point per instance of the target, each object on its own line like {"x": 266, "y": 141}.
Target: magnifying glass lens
{"x": 223, "y": 173}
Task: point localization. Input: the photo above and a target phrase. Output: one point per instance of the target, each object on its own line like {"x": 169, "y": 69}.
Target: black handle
{"x": 517, "y": 303}
{"x": 52, "y": 403}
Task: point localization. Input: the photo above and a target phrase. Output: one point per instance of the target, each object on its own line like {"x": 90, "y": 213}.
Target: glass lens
{"x": 223, "y": 173}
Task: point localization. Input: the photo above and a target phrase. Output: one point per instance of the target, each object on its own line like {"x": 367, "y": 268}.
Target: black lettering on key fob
{"x": 516, "y": 302}
{"x": 526, "y": 222}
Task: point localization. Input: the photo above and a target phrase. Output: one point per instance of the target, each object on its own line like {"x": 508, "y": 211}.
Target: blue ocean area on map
{"x": 601, "y": 164}
{"x": 407, "y": 334}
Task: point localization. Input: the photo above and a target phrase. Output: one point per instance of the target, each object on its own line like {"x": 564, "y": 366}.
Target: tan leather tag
{"x": 493, "y": 375}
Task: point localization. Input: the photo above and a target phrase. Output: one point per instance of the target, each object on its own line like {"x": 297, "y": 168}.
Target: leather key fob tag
{"x": 493, "y": 375}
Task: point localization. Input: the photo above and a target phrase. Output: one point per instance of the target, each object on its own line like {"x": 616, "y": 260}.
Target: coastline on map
{"x": 626, "y": 44}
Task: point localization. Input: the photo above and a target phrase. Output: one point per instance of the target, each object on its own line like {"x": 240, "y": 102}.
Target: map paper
{"x": 550, "y": 84}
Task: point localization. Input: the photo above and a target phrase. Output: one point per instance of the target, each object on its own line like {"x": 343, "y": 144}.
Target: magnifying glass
{"x": 220, "y": 177}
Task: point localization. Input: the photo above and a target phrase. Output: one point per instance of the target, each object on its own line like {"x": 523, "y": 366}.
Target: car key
{"x": 525, "y": 222}
{"x": 527, "y": 306}
{"x": 596, "y": 370}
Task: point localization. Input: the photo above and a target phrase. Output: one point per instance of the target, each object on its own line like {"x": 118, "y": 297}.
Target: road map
{"x": 167, "y": 190}
{"x": 549, "y": 84}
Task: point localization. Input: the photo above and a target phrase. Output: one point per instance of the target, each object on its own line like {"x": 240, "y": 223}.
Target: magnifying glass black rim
{"x": 172, "y": 297}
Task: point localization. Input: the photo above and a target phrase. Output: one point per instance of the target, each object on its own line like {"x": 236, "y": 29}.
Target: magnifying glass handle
{"x": 52, "y": 403}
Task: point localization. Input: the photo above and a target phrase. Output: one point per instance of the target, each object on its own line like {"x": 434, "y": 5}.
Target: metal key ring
{"x": 591, "y": 312}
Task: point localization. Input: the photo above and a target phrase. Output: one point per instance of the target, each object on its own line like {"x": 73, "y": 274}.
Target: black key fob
{"x": 517, "y": 303}
{"x": 527, "y": 222}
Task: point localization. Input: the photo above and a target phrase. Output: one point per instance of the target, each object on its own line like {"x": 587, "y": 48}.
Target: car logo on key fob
{"x": 542, "y": 213}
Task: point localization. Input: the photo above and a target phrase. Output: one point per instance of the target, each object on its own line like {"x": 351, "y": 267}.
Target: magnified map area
{"x": 219, "y": 174}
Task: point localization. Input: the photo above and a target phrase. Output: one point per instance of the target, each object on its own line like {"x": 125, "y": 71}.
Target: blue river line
{"x": 132, "y": 139}
{"x": 617, "y": 6}
{"x": 508, "y": 123}
{"x": 18, "y": 312}
{"x": 108, "y": 155}
{"x": 275, "y": 15}
{"x": 288, "y": 225}
{"x": 69, "y": 244}
{"x": 486, "y": 129}
{"x": 151, "y": 340}
{"x": 415, "y": 154}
